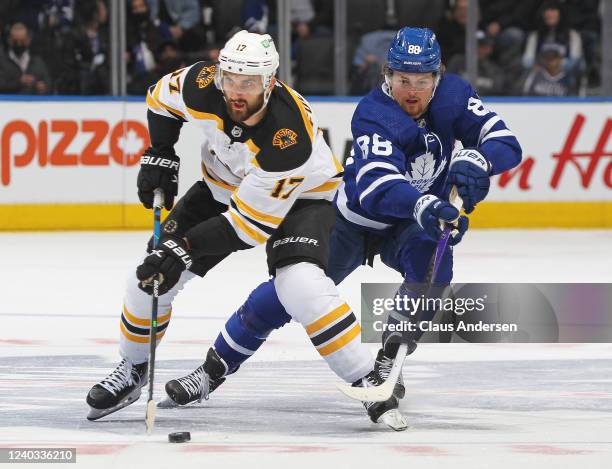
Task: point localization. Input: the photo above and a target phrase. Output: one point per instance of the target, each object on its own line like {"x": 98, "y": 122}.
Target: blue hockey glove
{"x": 429, "y": 211}
{"x": 469, "y": 171}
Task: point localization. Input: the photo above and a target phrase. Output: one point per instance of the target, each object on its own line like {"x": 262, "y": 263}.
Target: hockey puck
{"x": 179, "y": 437}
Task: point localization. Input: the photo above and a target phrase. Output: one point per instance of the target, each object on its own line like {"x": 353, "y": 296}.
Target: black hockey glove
{"x": 169, "y": 260}
{"x": 429, "y": 211}
{"x": 469, "y": 170}
{"x": 158, "y": 171}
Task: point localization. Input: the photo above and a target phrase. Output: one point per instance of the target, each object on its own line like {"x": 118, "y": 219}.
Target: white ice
{"x": 488, "y": 405}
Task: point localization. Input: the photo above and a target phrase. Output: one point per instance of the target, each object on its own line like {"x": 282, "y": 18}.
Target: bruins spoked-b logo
{"x": 284, "y": 138}
{"x": 206, "y": 76}
{"x": 171, "y": 226}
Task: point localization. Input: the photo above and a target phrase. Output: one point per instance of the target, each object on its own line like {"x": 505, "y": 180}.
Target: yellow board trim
{"x": 248, "y": 230}
{"x": 341, "y": 342}
{"x": 250, "y": 211}
{"x": 146, "y": 322}
{"x": 68, "y": 217}
{"x": 327, "y": 319}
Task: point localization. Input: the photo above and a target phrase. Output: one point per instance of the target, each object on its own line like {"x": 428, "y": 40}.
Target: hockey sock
{"x": 247, "y": 329}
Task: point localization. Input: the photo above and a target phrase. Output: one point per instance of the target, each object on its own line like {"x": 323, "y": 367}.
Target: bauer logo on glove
{"x": 168, "y": 262}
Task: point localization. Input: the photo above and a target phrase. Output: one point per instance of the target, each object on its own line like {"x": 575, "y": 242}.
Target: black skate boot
{"x": 383, "y": 365}
{"x": 118, "y": 390}
{"x": 382, "y": 412}
{"x": 198, "y": 384}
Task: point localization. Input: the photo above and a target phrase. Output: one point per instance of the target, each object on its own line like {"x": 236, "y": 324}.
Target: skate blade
{"x": 167, "y": 403}
{"x": 95, "y": 414}
{"x": 394, "y": 419}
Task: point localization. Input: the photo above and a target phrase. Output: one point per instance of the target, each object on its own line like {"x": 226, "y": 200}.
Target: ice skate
{"x": 386, "y": 411}
{"x": 383, "y": 365}
{"x": 198, "y": 384}
{"x": 118, "y": 390}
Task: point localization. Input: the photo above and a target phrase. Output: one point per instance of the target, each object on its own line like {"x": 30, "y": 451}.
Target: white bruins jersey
{"x": 258, "y": 171}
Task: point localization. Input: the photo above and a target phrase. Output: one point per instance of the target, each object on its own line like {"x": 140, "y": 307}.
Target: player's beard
{"x": 247, "y": 110}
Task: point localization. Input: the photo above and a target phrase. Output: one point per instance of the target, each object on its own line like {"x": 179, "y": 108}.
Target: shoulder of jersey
{"x": 452, "y": 92}
{"x": 286, "y": 139}
{"x": 199, "y": 91}
{"x": 379, "y": 113}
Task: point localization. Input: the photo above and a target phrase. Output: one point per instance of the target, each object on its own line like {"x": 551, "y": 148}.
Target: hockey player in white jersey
{"x": 395, "y": 189}
{"x": 268, "y": 177}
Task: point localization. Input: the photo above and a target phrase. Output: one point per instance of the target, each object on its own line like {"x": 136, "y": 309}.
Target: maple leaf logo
{"x": 131, "y": 143}
{"x": 423, "y": 171}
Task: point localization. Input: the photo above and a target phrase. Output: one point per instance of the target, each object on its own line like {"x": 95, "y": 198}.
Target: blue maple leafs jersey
{"x": 395, "y": 159}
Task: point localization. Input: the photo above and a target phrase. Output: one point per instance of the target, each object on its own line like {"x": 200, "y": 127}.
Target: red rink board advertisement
{"x": 60, "y": 159}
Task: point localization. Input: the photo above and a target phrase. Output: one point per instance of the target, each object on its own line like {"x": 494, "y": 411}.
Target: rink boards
{"x": 72, "y": 163}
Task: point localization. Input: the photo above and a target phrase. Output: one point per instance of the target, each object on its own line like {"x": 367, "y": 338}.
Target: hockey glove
{"x": 169, "y": 260}
{"x": 469, "y": 171}
{"x": 429, "y": 211}
{"x": 158, "y": 171}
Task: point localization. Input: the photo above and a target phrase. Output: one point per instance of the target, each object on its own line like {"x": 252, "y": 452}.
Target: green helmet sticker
{"x": 265, "y": 43}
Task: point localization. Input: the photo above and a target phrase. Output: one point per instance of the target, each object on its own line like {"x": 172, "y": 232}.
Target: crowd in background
{"x": 526, "y": 47}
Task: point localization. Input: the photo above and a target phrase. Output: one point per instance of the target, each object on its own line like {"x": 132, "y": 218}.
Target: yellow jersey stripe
{"x": 327, "y": 319}
{"x": 252, "y": 146}
{"x": 145, "y": 322}
{"x": 260, "y": 239}
{"x": 165, "y": 106}
{"x": 328, "y": 186}
{"x": 305, "y": 117}
{"x": 209, "y": 178}
{"x": 152, "y": 103}
{"x": 206, "y": 116}
{"x": 139, "y": 339}
{"x": 341, "y": 342}
{"x": 257, "y": 215}
{"x": 337, "y": 164}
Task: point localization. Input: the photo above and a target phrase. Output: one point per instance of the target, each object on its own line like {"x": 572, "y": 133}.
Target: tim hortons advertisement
{"x": 87, "y": 152}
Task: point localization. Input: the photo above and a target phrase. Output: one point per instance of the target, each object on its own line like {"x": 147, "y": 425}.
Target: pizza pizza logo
{"x": 284, "y": 138}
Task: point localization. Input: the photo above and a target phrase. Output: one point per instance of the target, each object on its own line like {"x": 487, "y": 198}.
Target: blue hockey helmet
{"x": 414, "y": 50}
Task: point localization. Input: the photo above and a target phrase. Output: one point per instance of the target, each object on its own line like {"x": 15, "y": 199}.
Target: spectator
{"x": 452, "y": 30}
{"x": 501, "y": 22}
{"x": 8, "y": 15}
{"x": 85, "y": 69}
{"x": 553, "y": 28}
{"x": 549, "y": 78}
{"x": 491, "y": 77}
{"x": 20, "y": 71}
{"x": 256, "y": 16}
{"x": 369, "y": 59}
{"x": 182, "y": 20}
{"x": 584, "y": 17}
{"x": 308, "y": 18}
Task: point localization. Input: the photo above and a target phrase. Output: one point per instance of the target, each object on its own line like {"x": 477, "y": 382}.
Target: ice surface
{"x": 487, "y": 405}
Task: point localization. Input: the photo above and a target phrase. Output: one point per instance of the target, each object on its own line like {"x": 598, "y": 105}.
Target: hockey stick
{"x": 384, "y": 391}
{"x": 158, "y": 200}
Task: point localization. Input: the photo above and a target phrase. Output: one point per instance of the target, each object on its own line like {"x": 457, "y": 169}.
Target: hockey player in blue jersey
{"x": 393, "y": 196}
